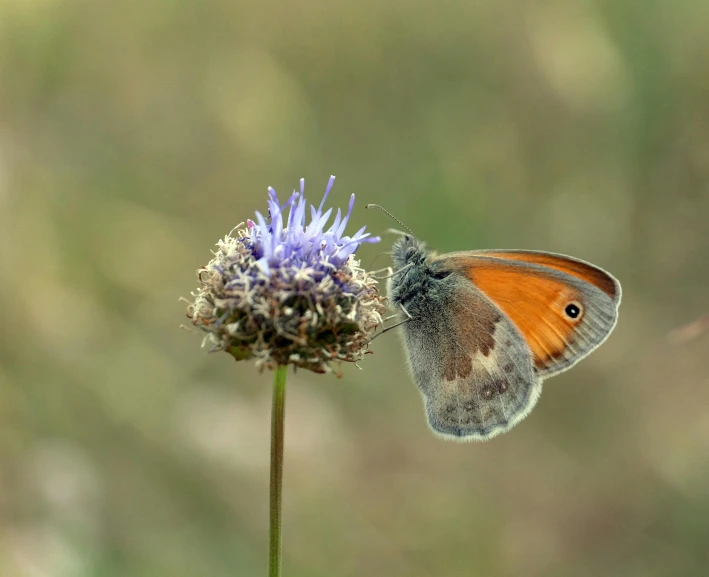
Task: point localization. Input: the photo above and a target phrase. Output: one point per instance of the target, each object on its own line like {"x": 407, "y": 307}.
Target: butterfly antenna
{"x": 391, "y": 215}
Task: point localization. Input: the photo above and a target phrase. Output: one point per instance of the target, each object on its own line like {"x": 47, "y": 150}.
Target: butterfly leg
{"x": 406, "y": 320}
{"x": 393, "y": 273}
{"x": 388, "y": 270}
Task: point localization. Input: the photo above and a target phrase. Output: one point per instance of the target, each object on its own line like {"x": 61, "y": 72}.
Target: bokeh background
{"x": 133, "y": 135}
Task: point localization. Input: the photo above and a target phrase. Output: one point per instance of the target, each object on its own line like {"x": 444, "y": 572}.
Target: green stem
{"x": 278, "y": 412}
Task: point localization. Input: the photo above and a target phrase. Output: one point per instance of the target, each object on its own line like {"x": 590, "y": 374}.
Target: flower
{"x": 289, "y": 292}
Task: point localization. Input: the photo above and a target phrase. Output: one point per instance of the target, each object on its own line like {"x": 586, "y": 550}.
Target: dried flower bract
{"x": 289, "y": 292}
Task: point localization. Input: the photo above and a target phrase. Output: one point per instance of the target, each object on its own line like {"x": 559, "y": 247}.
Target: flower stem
{"x": 278, "y": 412}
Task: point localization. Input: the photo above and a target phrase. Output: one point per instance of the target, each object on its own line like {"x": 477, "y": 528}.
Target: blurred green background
{"x": 133, "y": 135}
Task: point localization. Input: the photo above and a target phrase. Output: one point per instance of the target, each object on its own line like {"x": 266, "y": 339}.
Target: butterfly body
{"x": 483, "y": 329}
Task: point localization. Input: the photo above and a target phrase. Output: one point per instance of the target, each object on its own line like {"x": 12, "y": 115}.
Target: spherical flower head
{"x": 285, "y": 290}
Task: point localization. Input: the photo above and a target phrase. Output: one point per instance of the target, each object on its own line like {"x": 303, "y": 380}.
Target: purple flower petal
{"x": 295, "y": 243}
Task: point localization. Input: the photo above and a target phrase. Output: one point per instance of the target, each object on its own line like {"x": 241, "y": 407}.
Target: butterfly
{"x": 482, "y": 329}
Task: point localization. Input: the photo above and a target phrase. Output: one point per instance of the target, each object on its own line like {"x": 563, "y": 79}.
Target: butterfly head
{"x": 408, "y": 251}
{"x": 416, "y": 273}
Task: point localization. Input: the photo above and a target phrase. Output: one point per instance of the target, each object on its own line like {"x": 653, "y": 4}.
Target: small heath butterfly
{"x": 482, "y": 329}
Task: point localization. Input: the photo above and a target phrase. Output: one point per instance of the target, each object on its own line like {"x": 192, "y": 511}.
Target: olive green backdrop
{"x": 134, "y": 134}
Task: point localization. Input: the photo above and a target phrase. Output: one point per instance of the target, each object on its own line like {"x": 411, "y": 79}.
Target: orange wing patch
{"x": 574, "y": 267}
{"x": 535, "y": 304}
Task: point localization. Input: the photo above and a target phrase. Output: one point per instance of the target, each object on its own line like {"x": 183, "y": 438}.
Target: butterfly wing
{"x": 563, "y": 307}
{"x": 471, "y": 364}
